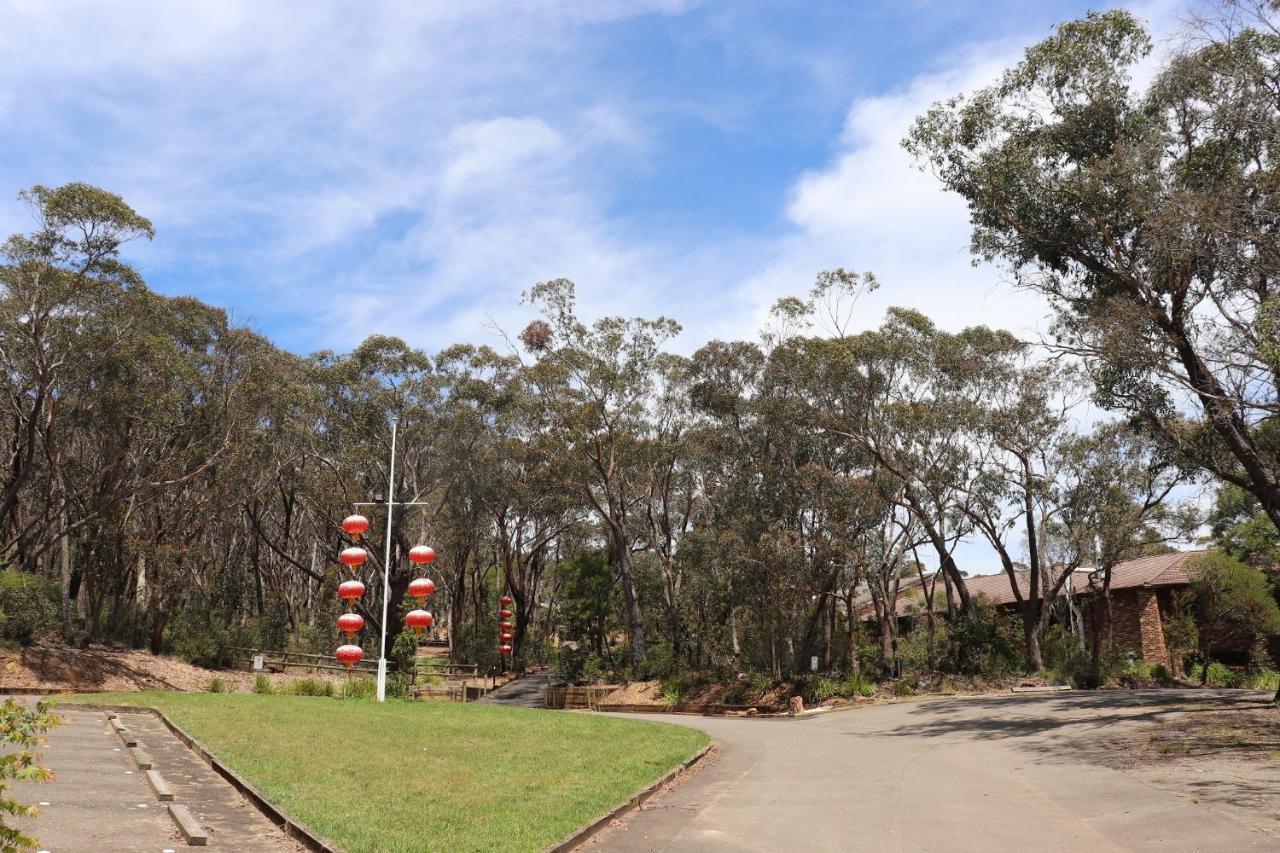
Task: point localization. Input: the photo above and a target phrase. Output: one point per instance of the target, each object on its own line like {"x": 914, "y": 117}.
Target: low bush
{"x": 358, "y": 688}
{"x": 263, "y": 685}
{"x": 309, "y": 687}
{"x": 220, "y": 685}
{"x": 1218, "y": 676}
{"x": 28, "y": 606}
{"x": 674, "y": 690}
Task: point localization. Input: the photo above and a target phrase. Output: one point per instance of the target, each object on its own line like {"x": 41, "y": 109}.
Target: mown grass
{"x": 426, "y": 775}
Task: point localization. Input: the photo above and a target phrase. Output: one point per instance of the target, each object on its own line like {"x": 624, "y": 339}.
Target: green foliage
{"x": 20, "y": 731}
{"x": 220, "y": 685}
{"x": 273, "y": 632}
{"x": 308, "y": 687}
{"x": 404, "y": 652}
{"x": 824, "y": 687}
{"x": 660, "y": 660}
{"x": 987, "y": 645}
{"x": 262, "y": 684}
{"x": 674, "y": 689}
{"x": 28, "y": 606}
{"x": 1065, "y": 660}
{"x": 1231, "y": 598}
{"x": 199, "y": 636}
{"x": 359, "y": 688}
{"x": 1181, "y": 633}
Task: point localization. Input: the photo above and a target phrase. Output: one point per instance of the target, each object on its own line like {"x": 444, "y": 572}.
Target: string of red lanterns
{"x": 419, "y": 619}
{"x": 350, "y": 622}
{"x": 504, "y": 625}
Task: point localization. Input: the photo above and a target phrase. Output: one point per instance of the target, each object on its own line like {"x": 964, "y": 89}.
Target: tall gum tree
{"x": 593, "y": 385}
{"x": 1146, "y": 216}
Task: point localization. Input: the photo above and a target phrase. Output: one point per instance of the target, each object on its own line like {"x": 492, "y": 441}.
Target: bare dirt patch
{"x": 1227, "y": 758}
{"x": 40, "y": 669}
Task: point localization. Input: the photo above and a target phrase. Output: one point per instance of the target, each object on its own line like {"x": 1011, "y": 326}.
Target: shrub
{"x": 674, "y": 690}
{"x": 404, "y": 651}
{"x": 735, "y": 695}
{"x": 221, "y": 685}
{"x": 857, "y": 685}
{"x": 28, "y": 606}
{"x": 262, "y": 684}
{"x": 309, "y": 687}
{"x": 594, "y": 671}
{"x": 820, "y": 690}
{"x": 357, "y": 688}
{"x": 399, "y": 685}
{"x": 761, "y": 683}
{"x": 660, "y": 660}
{"x": 1218, "y": 675}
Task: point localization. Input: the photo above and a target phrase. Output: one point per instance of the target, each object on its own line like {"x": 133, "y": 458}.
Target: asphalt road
{"x": 983, "y": 774}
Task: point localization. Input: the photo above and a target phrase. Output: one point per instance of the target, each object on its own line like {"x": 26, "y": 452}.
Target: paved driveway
{"x": 1012, "y": 773}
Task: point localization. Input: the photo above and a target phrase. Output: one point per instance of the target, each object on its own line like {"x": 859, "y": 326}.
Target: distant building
{"x": 1142, "y": 595}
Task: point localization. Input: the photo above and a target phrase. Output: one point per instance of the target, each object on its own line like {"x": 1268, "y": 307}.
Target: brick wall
{"x": 1136, "y": 625}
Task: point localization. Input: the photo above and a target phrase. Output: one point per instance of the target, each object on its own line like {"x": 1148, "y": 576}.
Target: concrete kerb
{"x": 580, "y": 835}
{"x": 292, "y": 828}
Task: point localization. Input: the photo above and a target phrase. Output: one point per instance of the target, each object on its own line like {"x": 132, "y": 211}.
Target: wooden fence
{"x": 577, "y": 698}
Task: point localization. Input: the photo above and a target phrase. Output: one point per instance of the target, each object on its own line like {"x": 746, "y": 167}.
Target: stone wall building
{"x": 1143, "y": 592}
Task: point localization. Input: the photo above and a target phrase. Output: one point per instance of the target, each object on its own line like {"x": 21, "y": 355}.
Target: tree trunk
{"x": 634, "y": 615}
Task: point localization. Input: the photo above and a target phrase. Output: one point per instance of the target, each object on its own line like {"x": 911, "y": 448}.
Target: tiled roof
{"x": 1158, "y": 570}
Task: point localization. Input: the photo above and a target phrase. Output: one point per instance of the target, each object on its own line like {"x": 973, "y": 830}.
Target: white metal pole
{"x": 386, "y": 565}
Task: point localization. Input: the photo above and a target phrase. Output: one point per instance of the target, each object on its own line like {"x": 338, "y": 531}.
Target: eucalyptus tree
{"x": 1120, "y": 489}
{"x": 1147, "y": 216}
{"x": 1018, "y": 414}
{"x": 592, "y": 385}
{"x": 52, "y": 282}
{"x": 893, "y": 391}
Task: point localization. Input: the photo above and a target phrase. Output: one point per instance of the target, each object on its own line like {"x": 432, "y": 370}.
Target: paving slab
{"x": 99, "y": 799}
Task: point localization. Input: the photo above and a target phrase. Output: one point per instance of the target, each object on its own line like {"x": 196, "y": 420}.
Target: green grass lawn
{"x": 426, "y": 775}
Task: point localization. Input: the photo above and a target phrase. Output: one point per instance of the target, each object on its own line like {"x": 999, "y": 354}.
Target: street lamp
{"x": 356, "y": 526}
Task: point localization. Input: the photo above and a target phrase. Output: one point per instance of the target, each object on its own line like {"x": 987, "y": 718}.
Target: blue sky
{"x": 410, "y": 168}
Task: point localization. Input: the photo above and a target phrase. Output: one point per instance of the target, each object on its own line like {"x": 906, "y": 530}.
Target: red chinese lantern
{"x": 421, "y": 554}
{"x": 418, "y": 620}
{"x": 352, "y": 556}
{"x": 506, "y": 638}
{"x": 504, "y": 649}
{"x": 350, "y": 623}
{"x": 355, "y": 526}
{"x": 505, "y": 614}
{"x": 506, "y": 626}
{"x": 349, "y": 655}
{"x": 506, "y": 601}
{"x": 420, "y": 588}
{"x": 350, "y": 590}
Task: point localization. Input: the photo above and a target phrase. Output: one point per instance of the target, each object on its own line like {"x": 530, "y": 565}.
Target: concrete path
{"x": 526, "y": 692}
{"x": 99, "y": 800}
{"x": 964, "y": 774}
